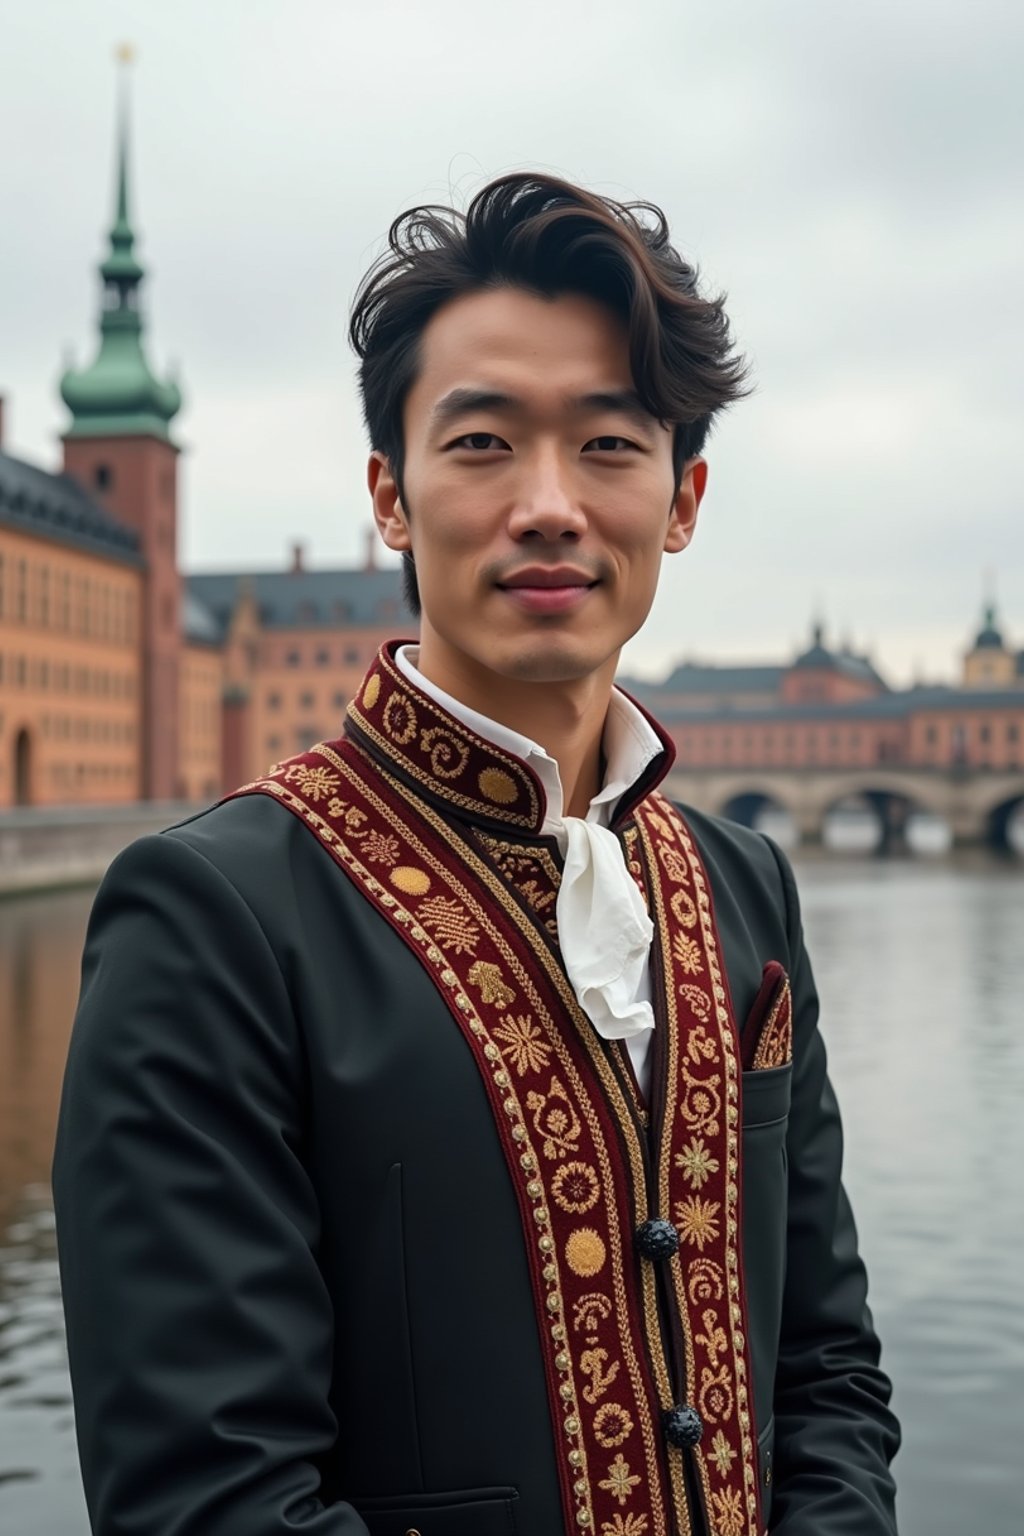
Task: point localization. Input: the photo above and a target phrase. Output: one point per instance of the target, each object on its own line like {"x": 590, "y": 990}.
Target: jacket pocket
{"x": 468, "y": 1512}
{"x": 766, "y": 1095}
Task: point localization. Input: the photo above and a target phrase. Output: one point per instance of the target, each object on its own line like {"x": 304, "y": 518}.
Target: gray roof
{"x": 887, "y": 706}
{"x": 697, "y": 677}
{"x": 56, "y": 507}
{"x": 197, "y": 622}
{"x": 305, "y": 599}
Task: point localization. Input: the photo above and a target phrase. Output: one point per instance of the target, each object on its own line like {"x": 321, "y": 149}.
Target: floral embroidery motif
{"x": 687, "y": 952}
{"x": 498, "y": 786}
{"x": 450, "y": 924}
{"x": 612, "y": 1425}
{"x": 556, "y": 1120}
{"x": 589, "y": 1312}
{"x": 775, "y": 1046}
{"x": 683, "y": 909}
{"x": 399, "y": 719}
{"x": 316, "y": 782}
{"x": 493, "y": 987}
{"x": 697, "y": 999}
{"x": 673, "y": 862}
{"x": 526, "y": 1047}
{"x": 728, "y": 1513}
{"x": 379, "y": 848}
{"x": 620, "y": 1482}
{"x": 697, "y": 1220}
{"x": 722, "y": 1454}
{"x": 575, "y": 1186}
{"x": 696, "y": 1162}
{"x": 624, "y": 1525}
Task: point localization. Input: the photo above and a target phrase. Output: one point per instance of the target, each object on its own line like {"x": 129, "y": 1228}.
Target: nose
{"x": 547, "y": 506}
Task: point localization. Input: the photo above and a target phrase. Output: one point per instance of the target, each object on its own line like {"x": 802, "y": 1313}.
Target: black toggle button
{"x": 683, "y": 1427}
{"x": 657, "y": 1239}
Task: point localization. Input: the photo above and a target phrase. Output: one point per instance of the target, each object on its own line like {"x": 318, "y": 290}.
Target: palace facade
{"x": 120, "y": 678}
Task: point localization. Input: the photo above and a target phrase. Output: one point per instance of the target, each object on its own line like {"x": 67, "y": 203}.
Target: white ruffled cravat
{"x": 604, "y": 932}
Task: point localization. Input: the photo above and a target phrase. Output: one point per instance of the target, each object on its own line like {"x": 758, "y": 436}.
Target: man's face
{"x": 540, "y": 494}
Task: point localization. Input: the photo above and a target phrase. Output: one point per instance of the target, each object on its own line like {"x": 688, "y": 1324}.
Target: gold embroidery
{"x": 592, "y": 1365}
{"x": 555, "y": 1119}
{"x": 775, "y": 1045}
{"x": 526, "y": 1047}
{"x": 575, "y": 1187}
{"x": 371, "y": 693}
{"x": 493, "y": 988}
{"x": 702, "y": 1102}
{"x": 612, "y": 1425}
{"x": 728, "y": 1509}
{"x": 448, "y": 755}
{"x": 585, "y": 1252}
{"x": 379, "y": 848}
{"x": 687, "y": 952}
{"x": 399, "y": 719}
{"x": 672, "y": 862}
{"x": 353, "y": 819}
{"x": 450, "y": 924}
{"x": 683, "y": 909}
{"x": 715, "y": 1398}
{"x": 619, "y": 1482}
{"x": 706, "y": 1282}
{"x": 317, "y": 783}
{"x": 498, "y": 786}
{"x": 696, "y": 1162}
{"x": 589, "y": 1312}
{"x": 624, "y": 1525}
{"x": 722, "y": 1454}
{"x": 413, "y": 882}
{"x": 697, "y": 1220}
{"x": 697, "y": 999}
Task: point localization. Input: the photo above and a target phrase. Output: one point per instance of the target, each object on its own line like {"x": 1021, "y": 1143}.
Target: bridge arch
{"x": 999, "y": 815}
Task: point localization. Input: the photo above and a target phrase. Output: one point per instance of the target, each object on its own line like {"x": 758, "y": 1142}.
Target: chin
{"x": 549, "y": 659}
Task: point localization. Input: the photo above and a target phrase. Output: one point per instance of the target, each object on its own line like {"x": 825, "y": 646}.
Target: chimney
{"x": 298, "y": 558}
{"x": 370, "y": 563}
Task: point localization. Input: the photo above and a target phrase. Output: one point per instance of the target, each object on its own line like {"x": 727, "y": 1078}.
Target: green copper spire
{"x": 118, "y": 395}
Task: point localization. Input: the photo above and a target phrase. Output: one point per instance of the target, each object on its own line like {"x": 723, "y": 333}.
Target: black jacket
{"x": 296, "y": 1294}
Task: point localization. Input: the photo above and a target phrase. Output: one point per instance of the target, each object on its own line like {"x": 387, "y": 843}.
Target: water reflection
{"x": 920, "y": 963}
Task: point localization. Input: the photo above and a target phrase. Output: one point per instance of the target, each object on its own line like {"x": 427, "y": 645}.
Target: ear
{"x": 388, "y": 512}
{"x": 683, "y": 518}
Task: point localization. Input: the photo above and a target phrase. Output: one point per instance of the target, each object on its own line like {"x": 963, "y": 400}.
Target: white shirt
{"x": 604, "y": 931}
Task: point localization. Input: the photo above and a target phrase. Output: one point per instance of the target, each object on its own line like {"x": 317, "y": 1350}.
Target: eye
{"x": 480, "y": 442}
{"x": 608, "y": 444}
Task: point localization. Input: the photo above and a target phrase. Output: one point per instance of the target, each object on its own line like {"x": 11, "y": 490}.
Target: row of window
{"x": 319, "y": 656}
{"x": 31, "y": 592}
{"x": 307, "y": 700}
{"x": 87, "y": 728}
{"x": 61, "y": 677}
{"x": 302, "y": 738}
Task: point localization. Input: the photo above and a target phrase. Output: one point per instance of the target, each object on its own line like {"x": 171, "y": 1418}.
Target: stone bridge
{"x": 976, "y": 806}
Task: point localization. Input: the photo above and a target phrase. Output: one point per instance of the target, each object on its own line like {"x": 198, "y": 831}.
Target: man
{"x": 446, "y": 1146}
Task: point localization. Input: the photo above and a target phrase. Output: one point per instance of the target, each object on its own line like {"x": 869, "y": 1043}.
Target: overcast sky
{"x": 851, "y": 175}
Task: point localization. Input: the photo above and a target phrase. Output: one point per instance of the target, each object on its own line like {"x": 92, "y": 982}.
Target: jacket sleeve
{"x": 834, "y": 1433}
{"x": 199, "y": 1327}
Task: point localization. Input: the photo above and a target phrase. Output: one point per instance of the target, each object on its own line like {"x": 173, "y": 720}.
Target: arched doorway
{"x": 23, "y": 768}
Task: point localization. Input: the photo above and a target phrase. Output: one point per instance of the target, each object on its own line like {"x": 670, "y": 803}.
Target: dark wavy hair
{"x": 549, "y": 237}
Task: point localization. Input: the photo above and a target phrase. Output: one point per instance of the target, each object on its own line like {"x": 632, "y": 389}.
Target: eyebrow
{"x": 464, "y": 402}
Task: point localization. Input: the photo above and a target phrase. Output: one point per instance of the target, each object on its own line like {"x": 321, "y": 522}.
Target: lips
{"x": 547, "y": 578}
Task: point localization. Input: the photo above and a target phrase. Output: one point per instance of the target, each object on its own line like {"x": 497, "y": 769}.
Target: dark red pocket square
{"x": 767, "y": 1038}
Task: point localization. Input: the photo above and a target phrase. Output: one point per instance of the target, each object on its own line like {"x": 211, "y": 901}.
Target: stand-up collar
{"x": 442, "y": 759}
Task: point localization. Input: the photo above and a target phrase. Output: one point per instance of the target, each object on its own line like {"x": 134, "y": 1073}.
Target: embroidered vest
{"x": 631, "y": 1219}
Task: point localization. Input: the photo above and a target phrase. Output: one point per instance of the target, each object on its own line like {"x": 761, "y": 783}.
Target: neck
{"x": 566, "y": 717}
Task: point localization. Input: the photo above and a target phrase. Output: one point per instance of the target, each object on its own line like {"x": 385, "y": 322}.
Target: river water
{"x": 920, "y": 963}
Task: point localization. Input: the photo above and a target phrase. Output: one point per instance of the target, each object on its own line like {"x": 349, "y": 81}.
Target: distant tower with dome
{"x": 990, "y": 662}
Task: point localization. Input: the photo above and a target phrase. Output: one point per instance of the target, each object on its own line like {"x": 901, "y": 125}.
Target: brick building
{"x": 120, "y": 679}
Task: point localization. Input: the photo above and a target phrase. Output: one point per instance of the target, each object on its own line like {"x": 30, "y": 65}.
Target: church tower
{"x": 119, "y": 448}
